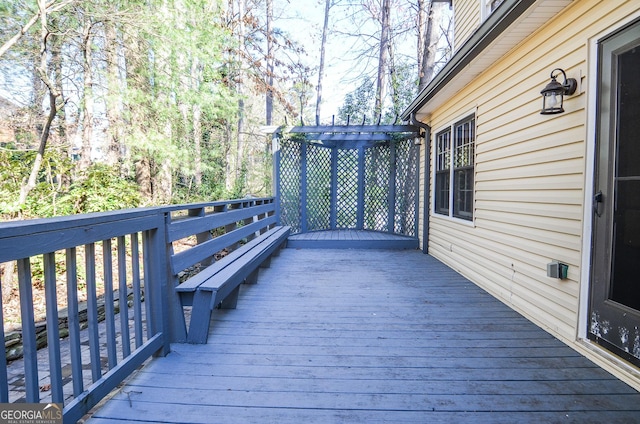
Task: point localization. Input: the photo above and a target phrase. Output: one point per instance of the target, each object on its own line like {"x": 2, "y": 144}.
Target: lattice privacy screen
{"x": 372, "y": 187}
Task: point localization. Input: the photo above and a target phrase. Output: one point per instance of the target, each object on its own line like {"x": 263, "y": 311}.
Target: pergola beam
{"x": 369, "y": 129}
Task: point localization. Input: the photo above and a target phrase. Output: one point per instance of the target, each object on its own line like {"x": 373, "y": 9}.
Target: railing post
{"x": 156, "y": 290}
{"x": 178, "y": 328}
{"x": 230, "y": 227}
{"x": 73, "y": 322}
{"x": 28, "y": 332}
{"x": 415, "y": 149}
{"x": 53, "y": 333}
{"x": 202, "y": 237}
{"x": 303, "y": 187}
{"x": 361, "y": 179}
{"x": 333, "y": 221}
{"x": 275, "y": 148}
{"x": 92, "y": 311}
{"x": 393, "y": 169}
{"x": 248, "y": 221}
{"x": 4, "y": 379}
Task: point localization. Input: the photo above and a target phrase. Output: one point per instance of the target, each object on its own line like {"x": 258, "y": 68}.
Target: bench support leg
{"x": 252, "y": 278}
{"x": 266, "y": 263}
{"x": 200, "y": 317}
{"x": 231, "y": 301}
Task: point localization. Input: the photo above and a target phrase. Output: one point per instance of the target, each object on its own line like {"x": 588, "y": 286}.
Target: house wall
{"x": 466, "y": 20}
{"x": 530, "y": 173}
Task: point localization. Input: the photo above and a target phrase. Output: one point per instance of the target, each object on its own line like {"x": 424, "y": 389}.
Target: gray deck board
{"x": 370, "y": 336}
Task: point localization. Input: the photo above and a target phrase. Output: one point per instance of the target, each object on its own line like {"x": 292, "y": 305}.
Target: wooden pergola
{"x": 354, "y": 177}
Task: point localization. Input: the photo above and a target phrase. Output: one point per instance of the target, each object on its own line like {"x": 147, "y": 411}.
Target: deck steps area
{"x": 370, "y": 336}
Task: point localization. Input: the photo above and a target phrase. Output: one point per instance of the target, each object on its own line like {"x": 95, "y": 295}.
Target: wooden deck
{"x": 366, "y": 336}
{"x": 352, "y": 239}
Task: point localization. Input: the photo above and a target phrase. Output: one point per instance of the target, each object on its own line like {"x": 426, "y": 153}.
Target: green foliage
{"x": 59, "y": 191}
{"x": 358, "y": 103}
{"x": 15, "y": 166}
{"x": 404, "y": 87}
{"x": 178, "y": 88}
{"x": 240, "y": 184}
{"x": 101, "y": 188}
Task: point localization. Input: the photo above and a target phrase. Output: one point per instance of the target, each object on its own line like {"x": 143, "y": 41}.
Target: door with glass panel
{"x": 614, "y": 315}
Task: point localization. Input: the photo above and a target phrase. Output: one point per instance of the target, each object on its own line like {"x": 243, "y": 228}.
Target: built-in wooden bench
{"x": 250, "y": 236}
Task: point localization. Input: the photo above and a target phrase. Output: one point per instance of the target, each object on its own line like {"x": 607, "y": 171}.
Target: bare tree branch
{"x": 48, "y": 7}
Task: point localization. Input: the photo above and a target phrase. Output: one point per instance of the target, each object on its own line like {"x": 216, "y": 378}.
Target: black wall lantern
{"x": 553, "y": 94}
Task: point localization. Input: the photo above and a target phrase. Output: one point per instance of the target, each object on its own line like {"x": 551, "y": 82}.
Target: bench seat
{"x": 217, "y": 286}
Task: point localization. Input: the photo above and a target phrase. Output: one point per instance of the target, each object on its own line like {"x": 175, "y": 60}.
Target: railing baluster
{"x": 109, "y": 315}
{"x": 146, "y": 260}
{"x": 137, "y": 294}
{"x": 92, "y": 312}
{"x": 73, "y": 322}
{"x": 230, "y": 227}
{"x": 53, "y": 333}
{"x": 28, "y": 332}
{"x": 4, "y": 379}
{"x": 122, "y": 301}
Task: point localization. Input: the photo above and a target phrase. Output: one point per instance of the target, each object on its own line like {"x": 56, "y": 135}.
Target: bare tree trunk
{"x": 385, "y": 18}
{"x": 51, "y": 6}
{"x": 87, "y": 121}
{"x": 240, "y": 89}
{"x": 114, "y": 137}
{"x": 323, "y": 45}
{"x": 427, "y": 58}
{"x": 54, "y": 94}
{"x": 162, "y": 180}
{"x": 9, "y": 282}
{"x": 143, "y": 178}
{"x": 228, "y": 137}
{"x": 164, "y": 183}
{"x": 270, "y": 60}
{"x": 196, "y": 122}
{"x": 393, "y": 81}
{"x": 197, "y": 144}
{"x": 421, "y": 28}
{"x": 58, "y": 71}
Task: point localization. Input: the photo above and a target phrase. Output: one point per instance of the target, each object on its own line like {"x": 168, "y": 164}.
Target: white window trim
{"x": 485, "y": 9}
{"x": 450, "y": 125}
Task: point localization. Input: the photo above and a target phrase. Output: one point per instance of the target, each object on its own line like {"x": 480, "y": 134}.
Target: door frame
{"x": 590, "y": 165}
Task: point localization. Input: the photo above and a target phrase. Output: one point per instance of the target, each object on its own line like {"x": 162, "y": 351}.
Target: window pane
{"x": 463, "y": 169}
{"x": 463, "y": 194}
{"x": 442, "y": 192}
{"x": 443, "y": 151}
{"x": 464, "y": 144}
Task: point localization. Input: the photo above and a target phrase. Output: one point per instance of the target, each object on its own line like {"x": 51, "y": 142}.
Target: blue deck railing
{"x": 114, "y": 266}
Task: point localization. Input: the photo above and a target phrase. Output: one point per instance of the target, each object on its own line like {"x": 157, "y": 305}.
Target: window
{"x": 493, "y": 4}
{"x": 443, "y": 174}
{"x": 487, "y": 7}
{"x": 454, "y": 185}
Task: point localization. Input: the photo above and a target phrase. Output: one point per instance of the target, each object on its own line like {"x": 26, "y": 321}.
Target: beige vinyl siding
{"x": 529, "y": 170}
{"x": 466, "y": 20}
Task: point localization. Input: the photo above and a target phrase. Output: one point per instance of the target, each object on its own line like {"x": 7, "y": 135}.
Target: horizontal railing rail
{"x": 114, "y": 268}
